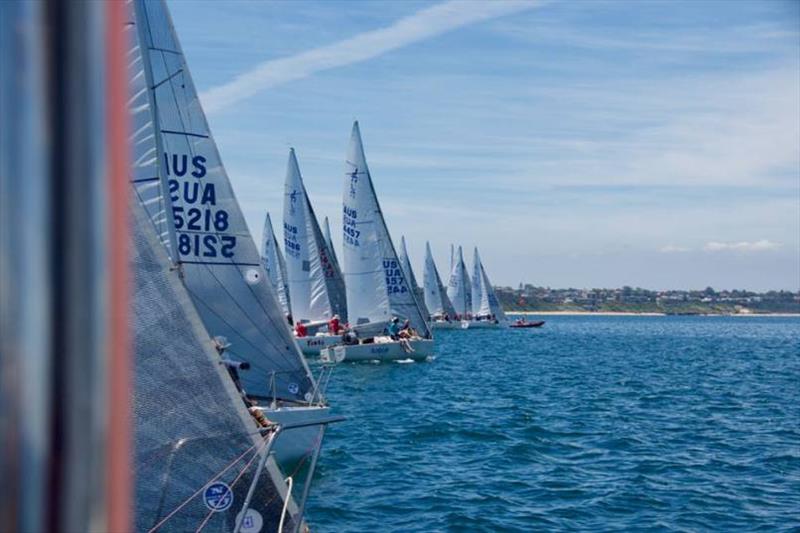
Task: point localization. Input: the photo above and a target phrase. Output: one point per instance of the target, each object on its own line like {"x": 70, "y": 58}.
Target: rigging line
{"x": 238, "y": 334}
{"x": 236, "y": 480}
{"x": 255, "y": 364}
{"x": 206, "y": 484}
{"x": 269, "y": 341}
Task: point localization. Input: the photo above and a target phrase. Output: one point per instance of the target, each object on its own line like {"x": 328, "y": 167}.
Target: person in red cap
{"x": 300, "y": 330}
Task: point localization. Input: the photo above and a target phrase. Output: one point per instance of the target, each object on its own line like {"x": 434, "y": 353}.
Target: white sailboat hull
{"x": 294, "y": 444}
{"x": 483, "y": 324}
{"x": 378, "y": 351}
{"x": 446, "y": 325}
{"x": 313, "y": 345}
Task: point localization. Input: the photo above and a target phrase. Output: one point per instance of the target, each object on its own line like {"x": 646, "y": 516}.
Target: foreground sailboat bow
{"x": 180, "y": 181}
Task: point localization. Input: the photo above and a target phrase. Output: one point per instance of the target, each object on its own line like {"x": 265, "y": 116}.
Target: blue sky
{"x": 582, "y": 144}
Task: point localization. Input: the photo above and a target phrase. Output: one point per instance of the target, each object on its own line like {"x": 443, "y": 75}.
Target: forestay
{"x": 458, "y": 289}
{"x": 190, "y": 194}
{"x": 377, "y": 288}
{"x": 274, "y": 264}
{"x": 315, "y": 285}
{"x": 436, "y": 298}
{"x": 405, "y": 262}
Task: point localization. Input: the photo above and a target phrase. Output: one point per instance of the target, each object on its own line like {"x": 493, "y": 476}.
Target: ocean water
{"x": 590, "y": 423}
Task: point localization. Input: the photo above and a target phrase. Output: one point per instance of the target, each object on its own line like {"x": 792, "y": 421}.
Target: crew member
{"x": 300, "y": 330}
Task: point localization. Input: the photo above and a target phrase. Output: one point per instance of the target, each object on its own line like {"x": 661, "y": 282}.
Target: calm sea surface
{"x": 591, "y": 423}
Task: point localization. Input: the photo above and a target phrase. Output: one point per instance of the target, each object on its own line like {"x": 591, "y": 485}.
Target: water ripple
{"x": 591, "y": 423}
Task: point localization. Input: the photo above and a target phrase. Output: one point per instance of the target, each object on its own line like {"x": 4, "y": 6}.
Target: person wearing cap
{"x": 393, "y": 328}
{"x": 333, "y": 325}
{"x": 300, "y": 330}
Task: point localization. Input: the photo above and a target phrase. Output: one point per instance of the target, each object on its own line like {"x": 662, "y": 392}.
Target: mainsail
{"x": 274, "y": 264}
{"x": 480, "y": 296}
{"x": 458, "y": 289}
{"x": 377, "y": 288}
{"x": 316, "y": 286}
{"x": 489, "y": 302}
{"x": 190, "y": 200}
{"x": 436, "y": 299}
{"x": 405, "y": 262}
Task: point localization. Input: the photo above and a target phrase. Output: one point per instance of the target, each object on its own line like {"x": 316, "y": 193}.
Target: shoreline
{"x": 633, "y": 313}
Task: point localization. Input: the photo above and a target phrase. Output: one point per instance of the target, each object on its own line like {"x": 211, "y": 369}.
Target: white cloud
{"x": 422, "y": 25}
{"x": 672, "y": 249}
{"x": 742, "y": 246}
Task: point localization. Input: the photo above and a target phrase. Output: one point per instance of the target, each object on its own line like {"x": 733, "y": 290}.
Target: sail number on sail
{"x": 395, "y": 281}
{"x": 290, "y": 240}
{"x": 198, "y": 220}
{"x": 351, "y": 234}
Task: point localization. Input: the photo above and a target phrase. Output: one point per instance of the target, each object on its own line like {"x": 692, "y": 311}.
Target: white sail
{"x": 436, "y": 299}
{"x": 316, "y": 287}
{"x": 458, "y": 288}
{"x": 476, "y": 283}
{"x": 274, "y": 264}
{"x": 327, "y": 234}
{"x": 377, "y": 288}
{"x": 405, "y": 262}
{"x": 220, "y": 263}
{"x": 489, "y": 300}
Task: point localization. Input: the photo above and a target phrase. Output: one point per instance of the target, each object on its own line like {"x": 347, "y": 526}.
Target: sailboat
{"x": 442, "y": 314}
{"x": 486, "y": 309}
{"x": 274, "y": 265}
{"x": 377, "y": 287}
{"x": 405, "y": 262}
{"x": 180, "y": 181}
{"x": 315, "y": 284}
{"x": 459, "y": 289}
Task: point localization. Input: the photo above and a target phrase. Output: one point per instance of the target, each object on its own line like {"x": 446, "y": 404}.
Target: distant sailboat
{"x": 489, "y": 297}
{"x": 442, "y": 314}
{"x": 459, "y": 289}
{"x": 377, "y": 288}
{"x": 180, "y": 181}
{"x": 315, "y": 283}
{"x": 274, "y": 264}
{"x": 486, "y": 309}
{"x": 405, "y": 261}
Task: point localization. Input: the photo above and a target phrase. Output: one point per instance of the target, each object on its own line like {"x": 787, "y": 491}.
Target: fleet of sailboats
{"x": 257, "y": 313}
{"x": 224, "y": 419}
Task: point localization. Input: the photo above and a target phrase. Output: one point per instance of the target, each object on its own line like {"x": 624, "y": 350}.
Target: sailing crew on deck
{"x": 300, "y": 330}
{"x": 393, "y": 328}
{"x": 407, "y": 332}
{"x": 333, "y": 325}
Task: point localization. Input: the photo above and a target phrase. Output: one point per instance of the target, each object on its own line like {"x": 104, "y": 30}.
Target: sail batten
{"x": 377, "y": 287}
{"x": 219, "y": 261}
